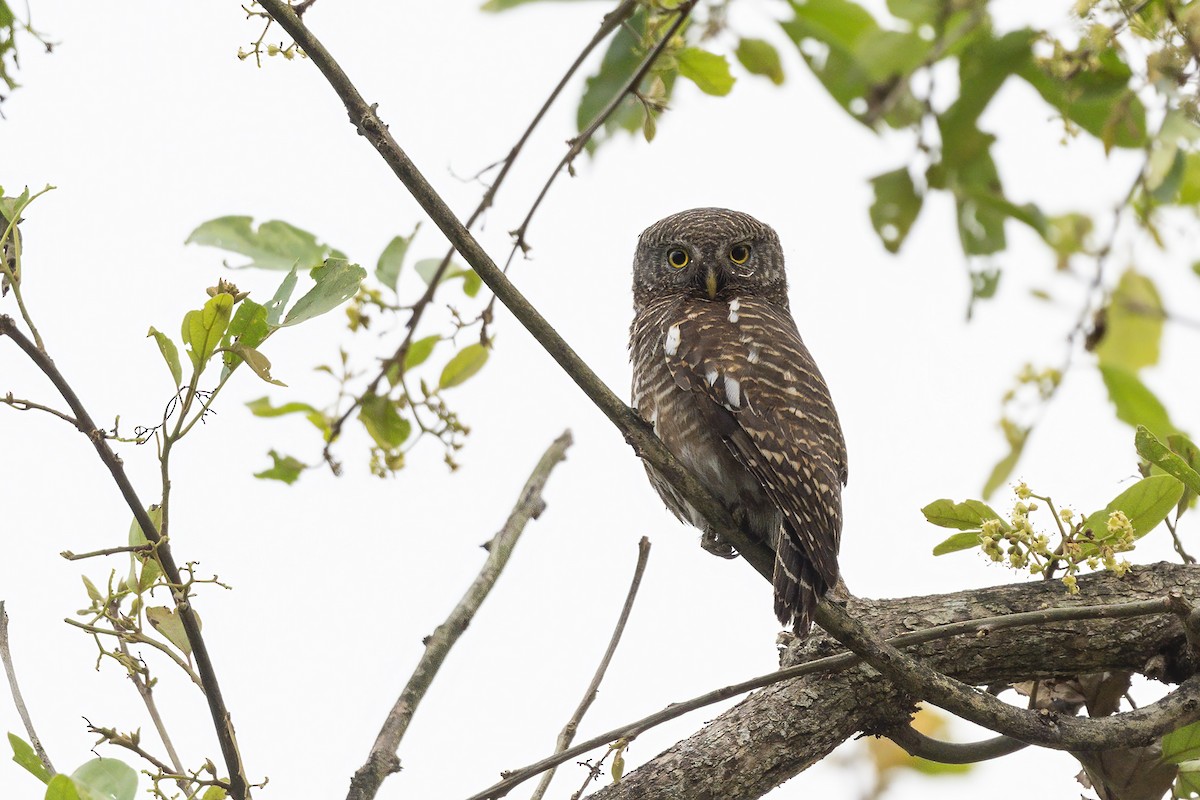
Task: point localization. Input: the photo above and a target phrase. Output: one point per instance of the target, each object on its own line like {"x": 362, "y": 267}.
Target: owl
{"x": 720, "y": 372}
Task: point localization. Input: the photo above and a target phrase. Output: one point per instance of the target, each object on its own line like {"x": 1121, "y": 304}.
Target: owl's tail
{"x": 798, "y": 587}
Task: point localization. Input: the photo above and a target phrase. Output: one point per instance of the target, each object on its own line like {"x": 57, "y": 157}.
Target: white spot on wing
{"x": 733, "y": 392}
{"x": 711, "y": 377}
{"x": 753, "y": 356}
{"x": 671, "y": 345}
{"x": 734, "y": 305}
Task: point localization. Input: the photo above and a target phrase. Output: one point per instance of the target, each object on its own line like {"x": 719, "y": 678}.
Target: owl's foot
{"x": 714, "y": 544}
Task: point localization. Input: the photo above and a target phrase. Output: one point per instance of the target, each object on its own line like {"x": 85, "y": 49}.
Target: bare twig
{"x": 137, "y": 637}
{"x": 835, "y": 663}
{"x": 118, "y": 739}
{"x": 28, "y": 405}
{"x": 108, "y": 551}
{"x": 383, "y": 760}
{"x": 568, "y": 732}
{"x": 15, "y": 689}
{"x": 147, "y": 694}
{"x": 918, "y": 744}
{"x": 223, "y": 725}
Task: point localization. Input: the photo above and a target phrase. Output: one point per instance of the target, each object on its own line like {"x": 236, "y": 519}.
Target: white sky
{"x": 149, "y": 124}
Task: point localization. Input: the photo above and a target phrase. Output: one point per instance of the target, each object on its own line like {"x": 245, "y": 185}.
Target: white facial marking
{"x": 671, "y": 345}
{"x": 733, "y": 392}
{"x": 711, "y": 376}
{"x": 753, "y": 356}
{"x": 734, "y": 305}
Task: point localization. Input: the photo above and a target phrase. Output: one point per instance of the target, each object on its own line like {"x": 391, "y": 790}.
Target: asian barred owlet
{"x": 720, "y": 371}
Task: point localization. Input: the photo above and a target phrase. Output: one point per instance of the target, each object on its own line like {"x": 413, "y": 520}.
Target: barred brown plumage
{"x": 720, "y": 371}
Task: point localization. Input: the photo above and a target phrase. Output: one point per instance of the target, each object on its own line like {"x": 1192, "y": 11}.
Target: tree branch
{"x": 15, "y": 689}
{"x": 639, "y": 435}
{"x": 223, "y": 725}
{"x": 978, "y": 626}
{"x": 589, "y": 695}
{"x": 382, "y": 760}
{"x": 779, "y": 732}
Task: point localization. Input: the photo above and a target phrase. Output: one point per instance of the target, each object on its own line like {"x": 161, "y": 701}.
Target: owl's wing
{"x": 773, "y": 410}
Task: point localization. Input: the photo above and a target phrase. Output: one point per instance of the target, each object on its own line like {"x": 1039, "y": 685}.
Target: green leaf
{"x": 93, "y": 593}
{"x": 959, "y": 541}
{"x": 466, "y": 362}
{"x": 984, "y": 67}
{"x": 965, "y": 516}
{"x": 387, "y": 271}
{"x": 1151, "y": 448}
{"x": 1097, "y": 99}
{"x": 262, "y": 408}
{"x": 280, "y": 300}
{"x": 1179, "y": 746}
{"x": 709, "y": 71}
{"x": 202, "y": 330}
{"x": 1189, "y": 185}
{"x": 61, "y": 787}
{"x": 1016, "y": 438}
{"x": 919, "y": 12}
{"x": 150, "y": 568}
{"x": 1135, "y": 403}
{"x": 427, "y": 268}
{"x": 1146, "y": 503}
{"x": 1186, "y": 449}
{"x": 284, "y": 468}
{"x": 25, "y": 756}
{"x": 170, "y": 354}
{"x": 383, "y": 422}
{"x": 255, "y": 361}
{"x": 105, "y": 779}
{"x": 168, "y": 622}
{"x": 896, "y": 207}
{"x": 860, "y": 62}
{"x": 1133, "y": 324}
{"x": 1187, "y": 784}
{"x": 419, "y": 351}
{"x": 248, "y": 328}
{"x": 249, "y": 324}
{"x": 214, "y": 793}
{"x": 337, "y": 281}
{"x": 274, "y": 245}
{"x": 760, "y": 57}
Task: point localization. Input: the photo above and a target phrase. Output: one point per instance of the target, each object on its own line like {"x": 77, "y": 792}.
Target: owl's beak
{"x": 711, "y": 282}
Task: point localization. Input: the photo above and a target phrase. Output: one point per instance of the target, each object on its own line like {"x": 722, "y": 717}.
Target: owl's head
{"x": 708, "y": 253}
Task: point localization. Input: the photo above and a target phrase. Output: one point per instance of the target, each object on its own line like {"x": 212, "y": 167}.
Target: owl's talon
{"x": 714, "y": 544}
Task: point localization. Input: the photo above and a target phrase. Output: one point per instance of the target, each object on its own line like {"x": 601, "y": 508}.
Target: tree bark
{"x": 780, "y": 731}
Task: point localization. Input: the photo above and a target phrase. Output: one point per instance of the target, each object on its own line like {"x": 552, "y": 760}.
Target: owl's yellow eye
{"x": 678, "y": 258}
{"x": 739, "y": 253}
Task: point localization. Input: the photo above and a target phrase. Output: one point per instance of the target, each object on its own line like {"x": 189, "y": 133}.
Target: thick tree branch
{"x": 979, "y": 626}
{"x": 782, "y": 730}
{"x": 382, "y": 760}
{"x": 238, "y": 785}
